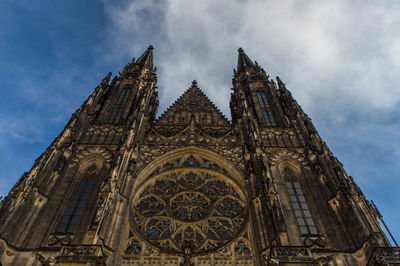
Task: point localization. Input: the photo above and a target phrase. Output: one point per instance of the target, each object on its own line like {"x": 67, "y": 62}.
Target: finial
{"x": 194, "y": 83}
{"x": 108, "y": 76}
{"x": 106, "y": 79}
{"x": 244, "y": 62}
{"x": 146, "y": 59}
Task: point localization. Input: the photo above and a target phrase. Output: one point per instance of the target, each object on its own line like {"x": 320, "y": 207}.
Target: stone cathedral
{"x": 120, "y": 186}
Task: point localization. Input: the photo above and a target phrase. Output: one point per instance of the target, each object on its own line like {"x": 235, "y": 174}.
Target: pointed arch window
{"x": 299, "y": 204}
{"x": 262, "y": 99}
{"x": 115, "y": 116}
{"x": 124, "y": 96}
{"x": 76, "y": 206}
{"x": 268, "y": 116}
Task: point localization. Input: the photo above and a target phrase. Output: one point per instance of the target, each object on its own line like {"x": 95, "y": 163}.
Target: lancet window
{"x": 76, "y": 206}
{"x": 262, "y": 99}
{"x": 115, "y": 116}
{"x": 268, "y": 116}
{"x": 299, "y": 204}
{"x": 124, "y": 96}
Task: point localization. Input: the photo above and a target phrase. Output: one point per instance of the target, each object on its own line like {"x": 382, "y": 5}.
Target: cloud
{"x": 324, "y": 48}
{"x": 340, "y": 59}
{"x": 20, "y": 129}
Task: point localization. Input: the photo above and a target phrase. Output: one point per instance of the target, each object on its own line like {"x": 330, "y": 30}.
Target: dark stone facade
{"x": 120, "y": 187}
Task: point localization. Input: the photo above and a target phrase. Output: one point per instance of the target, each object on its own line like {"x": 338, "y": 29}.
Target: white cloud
{"x": 341, "y": 60}
{"x": 350, "y": 46}
{"x": 20, "y": 129}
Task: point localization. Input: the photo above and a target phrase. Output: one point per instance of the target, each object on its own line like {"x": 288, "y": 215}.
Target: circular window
{"x": 189, "y": 206}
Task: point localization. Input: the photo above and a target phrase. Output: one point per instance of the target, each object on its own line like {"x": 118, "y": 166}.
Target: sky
{"x": 340, "y": 59}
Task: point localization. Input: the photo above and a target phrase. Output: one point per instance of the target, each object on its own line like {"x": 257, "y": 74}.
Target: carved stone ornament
{"x": 386, "y": 256}
{"x": 82, "y": 253}
{"x": 314, "y": 241}
{"x": 275, "y": 154}
{"x": 271, "y": 260}
{"x": 192, "y": 205}
{"x": 58, "y": 240}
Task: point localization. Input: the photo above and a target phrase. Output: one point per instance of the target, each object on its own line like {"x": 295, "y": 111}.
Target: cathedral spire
{"x": 146, "y": 59}
{"x": 243, "y": 60}
{"x": 190, "y": 183}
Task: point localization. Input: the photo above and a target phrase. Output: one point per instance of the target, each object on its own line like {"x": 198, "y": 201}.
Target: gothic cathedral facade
{"x": 120, "y": 186}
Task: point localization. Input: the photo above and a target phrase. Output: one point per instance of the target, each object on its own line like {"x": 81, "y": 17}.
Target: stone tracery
{"x": 189, "y": 201}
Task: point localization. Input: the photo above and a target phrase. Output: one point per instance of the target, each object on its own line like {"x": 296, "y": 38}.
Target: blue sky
{"x": 340, "y": 59}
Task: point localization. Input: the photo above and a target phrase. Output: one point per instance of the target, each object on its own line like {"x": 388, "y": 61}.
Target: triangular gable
{"x": 193, "y": 104}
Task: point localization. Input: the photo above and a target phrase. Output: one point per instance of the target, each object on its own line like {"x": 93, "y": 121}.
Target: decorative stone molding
{"x": 275, "y": 154}
{"x": 58, "y": 240}
{"x": 44, "y": 259}
{"x": 149, "y": 153}
{"x": 384, "y": 256}
{"x": 288, "y": 254}
{"x": 311, "y": 241}
{"x": 106, "y": 128}
{"x": 82, "y": 253}
{"x": 278, "y": 131}
{"x": 270, "y": 260}
{"x": 294, "y": 254}
{"x": 85, "y": 151}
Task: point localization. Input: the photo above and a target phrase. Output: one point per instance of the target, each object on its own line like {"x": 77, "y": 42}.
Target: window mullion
{"x": 79, "y": 199}
{"x": 76, "y": 205}
{"x": 302, "y": 212}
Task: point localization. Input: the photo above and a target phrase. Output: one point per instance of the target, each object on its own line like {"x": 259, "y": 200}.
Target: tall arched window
{"x": 124, "y": 96}
{"x": 299, "y": 204}
{"x": 116, "y": 112}
{"x": 76, "y": 205}
{"x": 266, "y": 109}
{"x": 115, "y": 115}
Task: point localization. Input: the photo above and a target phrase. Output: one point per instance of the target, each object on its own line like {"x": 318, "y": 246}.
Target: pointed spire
{"x": 281, "y": 85}
{"x": 243, "y": 60}
{"x": 146, "y": 59}
{"x": 106, "y": 80}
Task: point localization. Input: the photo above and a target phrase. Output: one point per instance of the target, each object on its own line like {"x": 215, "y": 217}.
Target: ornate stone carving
{"x": 317, "y": 241}
{"x": 81, "y": 250}
{"x": 85, "y": 151}
{"x": 58, "y": 240}
{"x": 386, "y": 256}
{"x": 199, "y": 206}
{"x": 290, "y": 251}
{"x": 297, "y": 154}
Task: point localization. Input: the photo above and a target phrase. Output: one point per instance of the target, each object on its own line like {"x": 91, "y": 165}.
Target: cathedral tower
{"x": 120, "y": 187}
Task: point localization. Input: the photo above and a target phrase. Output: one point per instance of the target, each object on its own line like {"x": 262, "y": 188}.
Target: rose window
{"x": 189, "y": 206}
